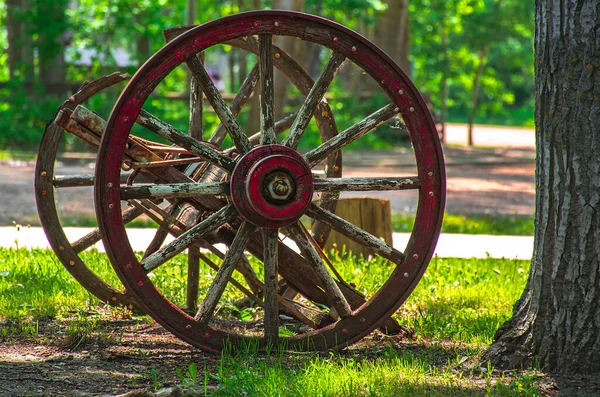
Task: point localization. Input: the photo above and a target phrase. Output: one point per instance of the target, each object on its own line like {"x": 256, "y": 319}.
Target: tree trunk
{"x": 392, "y": 33}
{"x": 292, "y": 46}
{"x": 475, "y": 94}
{"x": 14, "y": 37}
{"x": 444, "y": 83}
{"x": 51, "y": 50}
{"x": 557, "y": 319}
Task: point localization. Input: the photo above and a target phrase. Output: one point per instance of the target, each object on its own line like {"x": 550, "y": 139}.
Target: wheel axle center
{"x": 271, "y": 186}
{"x": 279, "y": 187}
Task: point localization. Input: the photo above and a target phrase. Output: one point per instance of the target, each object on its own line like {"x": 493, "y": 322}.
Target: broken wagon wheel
{"x": 46, "y": 183}
{"x": 270, "y": 187}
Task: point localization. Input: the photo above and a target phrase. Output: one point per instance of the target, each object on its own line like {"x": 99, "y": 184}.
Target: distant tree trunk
{"x": 20, "y": 49}
{"x": 253, "y": 122}
{"x": 51, "y": 48}
{"x": 444, "y": 83}
{"x": 242, "y": 55}
{"x": 293, "y": 47}
{"x": 557, "y": 319}
{"x": 14, "y": 36}
{"x": 392, "y": 33}
{"x": 475, "y": 93}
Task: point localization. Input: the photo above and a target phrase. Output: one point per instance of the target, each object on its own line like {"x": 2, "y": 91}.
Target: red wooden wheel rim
{"x": 363, "y": 53}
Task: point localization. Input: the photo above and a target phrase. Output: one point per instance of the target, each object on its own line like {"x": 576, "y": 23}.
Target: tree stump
{"x": 370, "y": 214}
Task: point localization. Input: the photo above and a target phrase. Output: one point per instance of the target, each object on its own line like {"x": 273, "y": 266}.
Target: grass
{"x": 454, "y": 311}
{"x": 512, "y": 225}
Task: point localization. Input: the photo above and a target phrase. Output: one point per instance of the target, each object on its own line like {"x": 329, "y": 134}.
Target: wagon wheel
{"x": 267, "y": 189}
{"x": 47, "y": 183}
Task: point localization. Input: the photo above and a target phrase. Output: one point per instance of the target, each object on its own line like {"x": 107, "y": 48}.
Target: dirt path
{"x": 479, "y": 181}
{"x": 118, "y": 358}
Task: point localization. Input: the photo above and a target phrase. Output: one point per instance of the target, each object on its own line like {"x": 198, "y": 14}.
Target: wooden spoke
{"x": 63, "y": 181}
{"x": 237, "y": 104}
{"x": 351, "y": 134}
{"x": 198, "y": 148}
{"x": 331, "y": 287}
{"x": 94, "y": 236}
{"x": 271, "y": 308}
{"x": 366, "y": 184}
{"x": 280, "y": 126}
{"x": 157, "y": 241}
{"x": 188, "y": 238}
{"x": 196, "y": 104}
{"x": 235, "y": 253}
{"x": 313, "y": 98}
{"x": 176, "y": 232}
{"x": 196, "y": 132}
{"x": 355, "y": 233}
{"x": 265, "y": 63}
{"x": 233, "y": 282}
{"x": 218, "y": 103}
{"x": 174, "y": 190}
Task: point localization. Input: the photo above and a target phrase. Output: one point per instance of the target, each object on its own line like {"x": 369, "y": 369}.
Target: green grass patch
{"x": 510, "y": 225}
{"x": 454, "y": 311}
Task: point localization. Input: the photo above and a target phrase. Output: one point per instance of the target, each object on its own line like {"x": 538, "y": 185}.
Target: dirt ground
{"x": 117, "y": 360}
{"x": 479, "y": 181}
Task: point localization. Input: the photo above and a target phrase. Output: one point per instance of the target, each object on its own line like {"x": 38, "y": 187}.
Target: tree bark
{"x": 444, "y": 82}
{"x": 14, "y": 37}
{"x": 392, "y": 33}
{"x": 557, "y": 319}
{"x": 292, "y": 46}
{"x": 51, "y": 50}
{"x": 475, "y": 94}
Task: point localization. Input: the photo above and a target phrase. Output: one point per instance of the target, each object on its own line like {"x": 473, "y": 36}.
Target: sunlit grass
{"x": 454, "y": 311}
{"x": 494, "y": 224}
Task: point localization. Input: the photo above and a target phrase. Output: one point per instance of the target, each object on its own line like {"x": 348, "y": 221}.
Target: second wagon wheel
{"x": 51, "y": 188}
{"x": 257, "y": 205}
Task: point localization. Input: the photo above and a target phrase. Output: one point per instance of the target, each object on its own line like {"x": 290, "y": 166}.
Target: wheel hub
{"x": 271, "y": 186}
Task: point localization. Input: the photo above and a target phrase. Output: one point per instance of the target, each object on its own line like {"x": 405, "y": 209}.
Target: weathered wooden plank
{"x": 351, "y": 134}
{"x": 173, "y": 190}
{"x": 355, "y": 233}
{"x": 314, "y": 97}
{"x": 271, "y": 307}
{"x": 198, "y": 148}
{"x": 236, "y": 251}
{"x": 189, "y": 237}
{"x": 265, "y": 63}
{"x": 62, "y": 181}
{"x": 366, "y": 184}
{"x": 64, "y": 120}
{"x": 237, "y": 104}
{"x": 334, "y": 294}
{"x": 219, "y": 105}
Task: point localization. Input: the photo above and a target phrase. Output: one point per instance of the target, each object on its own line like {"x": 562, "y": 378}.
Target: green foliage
{"x": 100, "y": 27}
{"x": 504, "y": 28}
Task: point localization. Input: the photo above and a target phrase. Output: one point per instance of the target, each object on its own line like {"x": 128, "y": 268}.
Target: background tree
{"x": 557, "y": 319}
